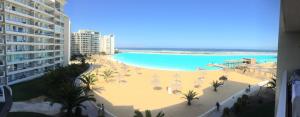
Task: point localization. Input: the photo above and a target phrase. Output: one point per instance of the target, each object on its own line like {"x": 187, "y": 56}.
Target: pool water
{"x": 186, "y": 62}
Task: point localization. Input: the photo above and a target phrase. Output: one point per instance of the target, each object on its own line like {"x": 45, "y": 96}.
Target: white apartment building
{"x": 107, "y": 44}
{"x": 34, "y": 38}
{"x": 85, "y": 42}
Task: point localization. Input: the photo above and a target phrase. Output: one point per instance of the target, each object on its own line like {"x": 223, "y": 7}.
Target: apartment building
{"x": 85, "y": 42}
{"x": 34, "y": 38}
{"x": 107, "y": 44}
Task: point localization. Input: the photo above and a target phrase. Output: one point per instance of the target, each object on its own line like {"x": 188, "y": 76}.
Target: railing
{"x": 281, "y": 106}
{"x": 1, "y": 73}
{"x": 1, "y": 50}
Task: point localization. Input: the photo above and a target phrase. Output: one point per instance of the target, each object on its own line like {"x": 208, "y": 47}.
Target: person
{"x": 249, "y": 87}
{"x": 218, "y": 106}
{"x": 102, "y": 107}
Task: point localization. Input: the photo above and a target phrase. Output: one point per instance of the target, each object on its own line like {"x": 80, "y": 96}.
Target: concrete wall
{"x": 288, "y": 46}
{"x": 67, "y": 41}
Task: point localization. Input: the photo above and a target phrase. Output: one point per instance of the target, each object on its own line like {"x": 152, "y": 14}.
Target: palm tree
{"x": 88, "y": 80}
{"x": 138, "y": 113}
{"x": 107, "y": 74}
{"x": 70, "y": 97}
{"x": 272, "y": 83}
{"x": 190, "y": 96}
{"x": 216, "y": 84}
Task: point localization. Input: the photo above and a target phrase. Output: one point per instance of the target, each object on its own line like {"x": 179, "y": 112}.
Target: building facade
{"x": 85, "y": 42}
{"x": 34, "y": 38}
{"x": 107, "y": 44}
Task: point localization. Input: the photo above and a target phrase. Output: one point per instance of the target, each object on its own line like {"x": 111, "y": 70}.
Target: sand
{"x": 133, "y": 88}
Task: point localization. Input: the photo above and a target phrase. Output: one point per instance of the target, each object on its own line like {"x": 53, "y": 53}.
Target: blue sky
{"x": 218, "y": 24}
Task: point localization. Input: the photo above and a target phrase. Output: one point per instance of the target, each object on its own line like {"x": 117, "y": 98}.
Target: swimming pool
{"x": 187, "y": 62}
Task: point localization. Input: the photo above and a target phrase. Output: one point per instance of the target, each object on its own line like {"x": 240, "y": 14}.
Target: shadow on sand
{"x": 198, "y": 107}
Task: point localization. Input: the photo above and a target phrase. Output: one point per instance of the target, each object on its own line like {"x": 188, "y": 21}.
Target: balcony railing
{"x": 1, "y": 73}
{"x": 1, "y": 63}
{"x": 1, "y": 51}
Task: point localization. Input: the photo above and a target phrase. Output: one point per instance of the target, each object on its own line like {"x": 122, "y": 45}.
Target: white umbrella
{"x": 176, "y": 76}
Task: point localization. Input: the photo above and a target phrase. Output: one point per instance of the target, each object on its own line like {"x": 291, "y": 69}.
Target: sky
{"x": 215, "y": 24}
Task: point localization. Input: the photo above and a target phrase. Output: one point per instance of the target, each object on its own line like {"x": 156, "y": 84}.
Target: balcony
{"x": 2, "y": 73}
{"x": 46, "y": 4}
{"x": 1, "y": 50}
{"x": 1, "y": 63}
{"x": 1, "y": 41}
{"x": 29, "y": 15}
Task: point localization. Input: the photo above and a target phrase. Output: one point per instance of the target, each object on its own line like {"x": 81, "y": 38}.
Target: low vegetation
{"x": 223, "y": 78}
{"x": 107, "y": 74}
{"x": 272, "y": 83}
{"x": 253, "y": 106}
{"x": 70, "y": 96}
{"x": 59, "y": 86}
{"x": 25, "y": 114}
{"x": 138, "y": 113}
{"x": 191, "y": 95}
{"x": 226, "y": 112}
{"x": 216, "y": 84}
{"x": 88, "y": 80}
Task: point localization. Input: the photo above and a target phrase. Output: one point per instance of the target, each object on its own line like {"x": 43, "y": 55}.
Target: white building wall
{"x": 32, "y": 38}
{"x": 107, "y": 44}
{"x": 85, "y": 42}
{"x": 67, "y": 41}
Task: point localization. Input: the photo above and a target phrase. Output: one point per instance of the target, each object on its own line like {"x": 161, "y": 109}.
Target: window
{"x": 20, "y": 29}
{"x": 14, "y": 28}
{"x": 13, "y": 8}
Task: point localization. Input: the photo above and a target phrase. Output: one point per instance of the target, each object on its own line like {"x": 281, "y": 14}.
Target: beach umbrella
{"x": 201, "y": 78}
{"x": 156, "y": 83}
{"x": 177, "y": 82}
{"x": 198, "y": 82}
{"x": 176, "y": 85}
{"x": 176, "y": 76}
{"x": 137, "y": 69}
{"x": 155, "y": 76}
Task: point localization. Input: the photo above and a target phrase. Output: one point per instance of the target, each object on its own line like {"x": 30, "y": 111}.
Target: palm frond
{"x": 147, "y": 113}
{"x": 160, "y": 114}
{"x": 138, "y": 113}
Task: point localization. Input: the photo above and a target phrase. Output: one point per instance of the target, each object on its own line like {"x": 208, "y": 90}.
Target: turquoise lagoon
{"x": 186, "y": 62}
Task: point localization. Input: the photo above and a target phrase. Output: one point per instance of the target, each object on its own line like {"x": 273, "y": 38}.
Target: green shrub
{"x": 237, "y": 107}
{"x": 226, "y": 112}
{"x": 245, "y": 100}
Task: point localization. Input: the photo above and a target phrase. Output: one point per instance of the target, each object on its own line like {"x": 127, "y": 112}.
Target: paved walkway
{"x": 92, "y": 109}
{"x": 36, "y": 107}
{"x": 231, "y": 100}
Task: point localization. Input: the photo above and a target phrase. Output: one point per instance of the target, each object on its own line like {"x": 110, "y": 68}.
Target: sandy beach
{"x": 133, "y": 88}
